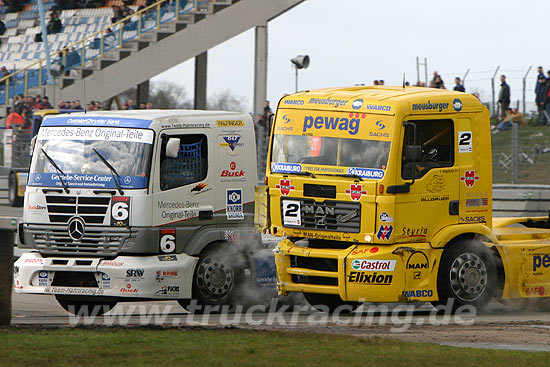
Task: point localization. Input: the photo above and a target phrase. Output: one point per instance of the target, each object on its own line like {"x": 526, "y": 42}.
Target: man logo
{"x": 76, "y": 228}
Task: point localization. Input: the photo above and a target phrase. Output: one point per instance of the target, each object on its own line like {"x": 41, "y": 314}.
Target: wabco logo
{"x": 351, "y": 124}
{"x": 373, "y": 265}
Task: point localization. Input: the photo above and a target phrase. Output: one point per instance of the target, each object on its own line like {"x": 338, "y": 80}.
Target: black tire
{"x": 330, "y": 303}
{"x": 85, "y": 308}
{"x": 218, "y": 274}
{"x": 467, "y": 275}
{"x": 14, "y": 199}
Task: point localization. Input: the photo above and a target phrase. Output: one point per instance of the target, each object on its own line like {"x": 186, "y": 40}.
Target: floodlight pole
{"x": 45, "y": 41}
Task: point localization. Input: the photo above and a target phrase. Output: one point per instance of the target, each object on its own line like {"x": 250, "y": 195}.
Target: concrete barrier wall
{"x": 521, "y": 200}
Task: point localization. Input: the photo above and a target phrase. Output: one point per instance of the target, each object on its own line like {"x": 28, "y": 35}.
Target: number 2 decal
{"x": 120, "y": 211}
{"x": 464, "y": 141}
{"x": 167, "y": 240}
{"x": 291, "y": 213}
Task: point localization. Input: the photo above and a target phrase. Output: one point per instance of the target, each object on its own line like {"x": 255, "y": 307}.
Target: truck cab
{"x": 381, "y": 193}
{"x": 139, "y": 205}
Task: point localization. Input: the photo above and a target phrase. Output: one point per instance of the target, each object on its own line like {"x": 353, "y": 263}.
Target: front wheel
{"x": 85, "y": 308}
{"x": 467, "y": 275}
{"x": 218, "y": 272}
{"x": 330, "y": 303}
{"x": 13, "y": 197}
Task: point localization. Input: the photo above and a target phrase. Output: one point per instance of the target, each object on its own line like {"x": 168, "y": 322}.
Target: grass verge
{"x": 176, "y": 347}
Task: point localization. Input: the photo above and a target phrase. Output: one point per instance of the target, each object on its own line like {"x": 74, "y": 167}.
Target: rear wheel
{"x": 85, "y": 308}
{"x": 13, "y": 197}
{"x": 467, "y": 275}
{"x": 218, "y": 272}
{"x": 330, "y": 303}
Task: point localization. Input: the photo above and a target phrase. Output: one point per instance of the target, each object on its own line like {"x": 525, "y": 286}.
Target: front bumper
{"x": 153, "y": 277}
{"x": 399, "y": 273}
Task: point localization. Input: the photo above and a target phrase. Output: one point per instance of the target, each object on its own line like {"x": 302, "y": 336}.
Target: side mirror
{"x": 172, "y": 147}
{"x": 413, "y": 152}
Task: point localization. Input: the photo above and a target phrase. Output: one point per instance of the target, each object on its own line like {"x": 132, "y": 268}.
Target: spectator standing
{"x": 541, "y": 97}
{"x": 459, "y": 87}
{"x": 37, "y": 103}
{"x": 131, "y": 105}
{"x": 76, "y": 105}
{"x": 18, "y": 104}
{"x": 46, "y": 103}
{"x": 540, "y": 72}
{"x": 14, "y": 120}
{"x": 504, "y": 96}
{"x": 437, "y": 82}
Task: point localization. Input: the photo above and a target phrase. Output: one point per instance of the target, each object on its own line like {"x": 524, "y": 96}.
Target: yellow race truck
{"x": 383, "y": 194}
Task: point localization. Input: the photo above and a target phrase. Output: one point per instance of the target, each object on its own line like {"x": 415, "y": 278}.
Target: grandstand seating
{"x": 89, "y": 48}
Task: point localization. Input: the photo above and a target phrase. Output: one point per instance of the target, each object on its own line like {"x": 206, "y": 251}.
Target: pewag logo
{"x": 541, "y": 261}
{"x": 349, "y": 124}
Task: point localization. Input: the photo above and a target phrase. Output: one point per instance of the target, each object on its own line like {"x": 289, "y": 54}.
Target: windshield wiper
{"x": 302, "y": 173}
{"x": 52, "y": 162}
{"x": 343, "y": 175}
{"x": 112, "y": 169}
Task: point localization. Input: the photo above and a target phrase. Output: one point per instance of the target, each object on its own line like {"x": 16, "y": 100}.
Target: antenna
{"x": 403, "y": 81}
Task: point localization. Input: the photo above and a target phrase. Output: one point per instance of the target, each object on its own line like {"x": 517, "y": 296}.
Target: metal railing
{"x": 95, "y": 45}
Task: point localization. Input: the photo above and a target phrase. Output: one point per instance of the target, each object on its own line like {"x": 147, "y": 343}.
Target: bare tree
{"x": 225, "y": 100}
{"x": 169, "y": 95}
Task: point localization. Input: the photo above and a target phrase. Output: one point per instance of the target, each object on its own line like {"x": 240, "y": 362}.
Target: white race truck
{"x": 142, "y": 205}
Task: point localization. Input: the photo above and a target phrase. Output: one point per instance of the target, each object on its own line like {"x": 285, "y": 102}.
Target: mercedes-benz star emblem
{"x": 76, "y": 228}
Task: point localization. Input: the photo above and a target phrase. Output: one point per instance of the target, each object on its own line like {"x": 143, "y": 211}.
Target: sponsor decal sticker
{"x": 384, "y": 232}
{"x": 419, "y": 293}
{"x": 373, "y": 265}
{"x": 469, "y": 178}
{"x": 414, "y": 232}
{"x": 128, "y": 289}
{"x": 429, "y": 106}
{"x": 168, "y": 290}
{"x": 465, "y": 142}
{"x": 234, "y": 204}
{"x": 200, "y": 188}
{"x": 356, "y": 191}
{"x": 366, "y": 172}
{"x": 232, "y": 143}
{"x": 112, "y": 263}
{"x": 348, "y": 124}
{"x": 34, "y": 261}
{"x": 472, "y": 219}
{"x": 361, "y": 277}
{"x": 541, "y": 261}
{"x": 233, "y": 174}
{"x": 357, "y": 104}
{"x": 291, "y": 213}
{"x": 436, "y": 184}
{"x": 535, "y": 291}
{"x": 105, "y": 281}
{"x": 230, "y": 123}
{"x": 43, "y": 278}
{"x": 384, "y": 217}
{"x": 134, "y": 274}
{"x": 168, "y": 258}
{"x": 277, "y": 167}
{"x": 285, "y": 186}
{"x": 161, "y": 275}
{"x": 457, "y": 105}
{"x": 473, "y": 203}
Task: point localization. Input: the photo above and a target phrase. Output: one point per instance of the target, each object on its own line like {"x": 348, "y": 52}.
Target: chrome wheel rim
{"x": 468, "y": 277}
{"x": 214, "y": 279}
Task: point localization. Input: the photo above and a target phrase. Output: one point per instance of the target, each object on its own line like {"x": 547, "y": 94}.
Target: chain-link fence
{"x": 521, "y": 156}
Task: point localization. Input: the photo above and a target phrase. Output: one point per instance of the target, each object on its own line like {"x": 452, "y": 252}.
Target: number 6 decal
{"x": 167, "y": 240}
{"x": 120, "y": 211}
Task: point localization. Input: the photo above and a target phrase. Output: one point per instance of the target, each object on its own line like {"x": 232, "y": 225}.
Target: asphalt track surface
{"x": 499, "y": 327}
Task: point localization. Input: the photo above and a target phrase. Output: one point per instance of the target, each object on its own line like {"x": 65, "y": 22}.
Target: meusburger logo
{"x": 373, "y": 265}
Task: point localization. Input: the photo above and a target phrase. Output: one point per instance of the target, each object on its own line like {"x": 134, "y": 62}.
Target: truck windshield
{"x": 297, "y": 153}
{"x": 72, "y": 148}
{"x": 336, "y": 143}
